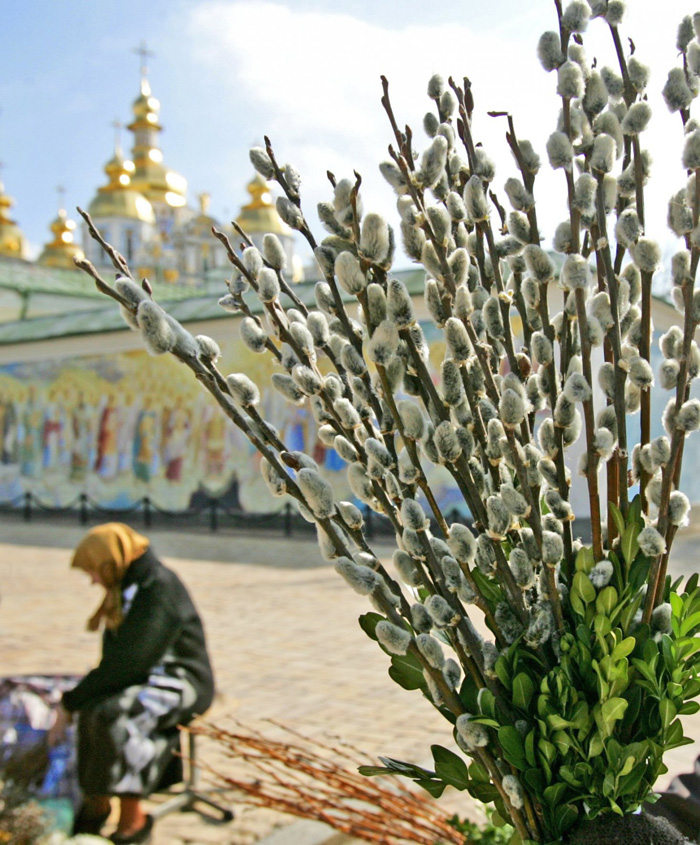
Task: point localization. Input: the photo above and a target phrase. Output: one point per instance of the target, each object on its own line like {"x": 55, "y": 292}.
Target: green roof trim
{"x": 188, "y": 309}
{"x": 27, "y": 278}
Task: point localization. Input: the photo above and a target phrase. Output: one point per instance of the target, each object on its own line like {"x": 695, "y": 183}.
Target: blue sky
{"x": 303, "y": 72}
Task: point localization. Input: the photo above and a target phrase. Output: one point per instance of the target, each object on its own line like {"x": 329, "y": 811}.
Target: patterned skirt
{"x": 126, "y": 741}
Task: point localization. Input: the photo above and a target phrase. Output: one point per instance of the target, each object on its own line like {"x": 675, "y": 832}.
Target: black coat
{"x": 160, "y": 627}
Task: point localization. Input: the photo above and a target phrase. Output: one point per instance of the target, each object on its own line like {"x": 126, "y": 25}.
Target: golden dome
{"x": 260, "y": 215}
{"x": 118, "y": 198}
{"x": 151, "y": 177}
{"x": 61, "y": 251}
{"x": 12, "y": 243}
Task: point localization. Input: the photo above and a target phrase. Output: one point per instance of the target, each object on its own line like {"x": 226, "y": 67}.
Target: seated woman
{"x": 154, "y": 675}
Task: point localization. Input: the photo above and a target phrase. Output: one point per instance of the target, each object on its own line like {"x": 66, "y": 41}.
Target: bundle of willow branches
{"x": 312, "y": 779}
{"x": 564, "y": 710}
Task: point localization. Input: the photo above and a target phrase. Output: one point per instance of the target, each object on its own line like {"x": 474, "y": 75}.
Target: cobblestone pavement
{"x": 283, "y": 636}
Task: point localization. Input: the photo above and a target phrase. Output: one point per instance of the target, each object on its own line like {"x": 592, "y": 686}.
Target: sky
{"x": 304, "y": 72}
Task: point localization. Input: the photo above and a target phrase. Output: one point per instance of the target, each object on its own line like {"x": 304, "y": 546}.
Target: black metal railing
{"x": 210, "y": 513}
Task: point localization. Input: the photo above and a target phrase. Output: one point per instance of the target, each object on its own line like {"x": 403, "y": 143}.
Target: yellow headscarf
{"x": 107, "y": 551}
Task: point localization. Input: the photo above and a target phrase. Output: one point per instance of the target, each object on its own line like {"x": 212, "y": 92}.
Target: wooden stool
{"x": 184, "y": 798}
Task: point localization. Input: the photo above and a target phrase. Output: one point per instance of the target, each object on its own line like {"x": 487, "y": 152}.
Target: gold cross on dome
{"x": 144, "y": 54}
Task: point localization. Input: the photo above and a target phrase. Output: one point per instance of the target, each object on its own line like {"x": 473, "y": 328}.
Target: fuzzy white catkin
{"x": 273, "y": 252}
{"x": 676, "y": 92}
{"x": 431, "y": 650}
{"x": 520, "y": 198}
{"x": 394, "y": 639}
{"x": 412, "y": 419}
{"x": 461, "y": 542}
{"x": 603, "y": 155}
{"x": 577, "y": 389}
{"x": 538, "y": 263}
{"x": 575, "y": 272}
{"x": 208, "y": 348}
{"x": 407, "y": 568}
{"x": 569, "y": 80}
{"x": 691, "y": 151}
{"x": 362, "y": 579}
{"x": 647, "y": 255}
{"x": 514, "y": 791}
{"x": 133, "y": 294}
{"x": 268, "y": 285}
{"x": 290, "y": 213}
{"x": 474, "y": 734}
{"x": 317, "y": 492}
{"x": 433, "y": 162}
{"x": 349, "y": 273}
{"x": 628, "y": 228}
{"x": 399, "y": 304}
{"x": 549, "y": 51}
{"x": 678, "y": 508}
{"x": 360, "y": 483}
{"x": 375, "y": 238}
{"x": 596, "y": 96}
{"x": 156, "y": 330}
{"x": 447, "y": 442}
{"x": 383, "y": 343}
{"x": 441, "y": 612}
{"x": 688, "y": 417}
{"x": 637, "y": 118}
{"x": 244, "y": 391}
{"x": 262, "y": 162}
{"x": 276, "y": 484}
{"x": 475, "y": 199}
{"x": 511, "y": 408}
{"x": 651, "y": 543}
{"x": 413, "y": 515}
{"x": 560, "y": 151}
{"x": 575, "y": 16}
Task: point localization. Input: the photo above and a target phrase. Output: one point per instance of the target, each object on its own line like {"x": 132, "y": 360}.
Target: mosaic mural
{"x": 122, "y": 426}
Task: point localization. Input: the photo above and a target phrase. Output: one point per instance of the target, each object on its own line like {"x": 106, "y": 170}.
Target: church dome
{"x": 118, "y": 198}
{"x": 151, "y": 177}
{"x": 12, "y": 242}
{"x": 260, "y": 216}
{"x": 61, "y": 251}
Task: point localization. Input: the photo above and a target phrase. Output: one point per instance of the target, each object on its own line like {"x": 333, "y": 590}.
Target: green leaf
{"x": 554, "y": 794}
{"x": 406, "y": 671}
{"x": 513, "y": 748}
{"x": 368, "y": 622}
{"x": 502, "y": 673}
{"x": 530, "y": 747}
{"x": 487, "y": 703}
{"x": 634, "y": 511}
{"x": 612, "y": 710}
{"x": 523, "y": 690}
{"x": 450, "y": 767}
{"x": 434, "y": 787}
{"x": 667, "y": 711}
{"x": 564, "y": 817}
{"x": 629, "y": 544}
{"x": 624, "y": 648}
{"x": 375, "y": 771}
{"x": 617, "y": 517}
{"x": 638, "y": 573}
{"x": 488, "y": 588}
{"x": 689, "y": 623}
{"x": 606, "y": 601}
{"x": 398, "y": 767}
{"x": 582, "y": 587}
{"x": 584, "y": 560}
